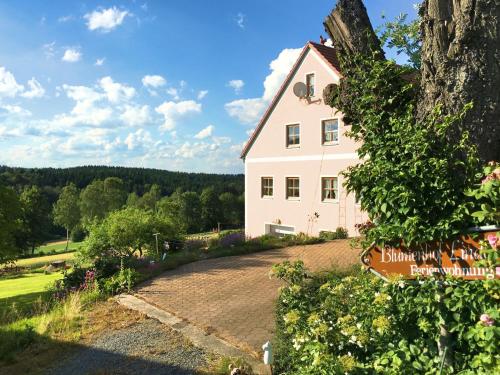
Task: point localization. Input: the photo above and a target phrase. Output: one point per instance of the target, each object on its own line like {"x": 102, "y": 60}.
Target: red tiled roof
{"x": 328, "y": 54}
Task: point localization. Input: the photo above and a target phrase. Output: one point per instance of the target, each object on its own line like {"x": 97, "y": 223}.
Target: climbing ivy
{"x": 412, "y": 180}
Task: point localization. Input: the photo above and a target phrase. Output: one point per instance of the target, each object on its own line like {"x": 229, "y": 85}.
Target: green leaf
{"x": 417, "y": 365}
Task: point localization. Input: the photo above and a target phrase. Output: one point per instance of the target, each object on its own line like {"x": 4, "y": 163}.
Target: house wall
{"x": 269, "y": 156}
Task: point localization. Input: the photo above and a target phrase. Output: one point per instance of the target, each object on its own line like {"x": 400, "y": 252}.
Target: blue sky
{"x": 174, "y": 85}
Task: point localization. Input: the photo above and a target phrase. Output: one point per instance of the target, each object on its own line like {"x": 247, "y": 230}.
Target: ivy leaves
{"x": 412, "y": 179}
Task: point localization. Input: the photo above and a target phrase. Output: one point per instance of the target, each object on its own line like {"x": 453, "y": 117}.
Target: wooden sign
{"x": 453, "y": 257}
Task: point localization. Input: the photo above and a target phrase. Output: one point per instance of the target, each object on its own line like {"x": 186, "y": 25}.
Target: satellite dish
{"x": 300, "y": 90}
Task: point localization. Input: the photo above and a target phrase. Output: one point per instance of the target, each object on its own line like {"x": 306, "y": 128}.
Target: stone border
{"x": 197, "y": 336}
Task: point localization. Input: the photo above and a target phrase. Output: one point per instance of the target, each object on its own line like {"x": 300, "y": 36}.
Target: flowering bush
{"x": 232, "y": 239}
{"x": 361, "y": 324}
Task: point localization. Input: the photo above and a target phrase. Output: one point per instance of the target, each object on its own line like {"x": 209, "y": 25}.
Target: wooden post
{"x": 218, "y": 227}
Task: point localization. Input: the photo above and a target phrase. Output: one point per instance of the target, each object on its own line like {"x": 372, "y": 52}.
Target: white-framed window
{"x": 310, "y": 84}
{"x": 293, "y": 135}
{"x": 329, "y": 189}
{"x": 330, "y": 131}
{"x": 266, "y": 187}
{"x": 292, "y": 187}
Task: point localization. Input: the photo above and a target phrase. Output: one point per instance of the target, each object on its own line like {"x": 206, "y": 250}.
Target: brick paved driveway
{"x": 233, "y": 297}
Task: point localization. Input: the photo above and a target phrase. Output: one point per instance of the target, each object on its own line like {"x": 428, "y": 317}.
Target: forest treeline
{"x": 35, "y": 208}
{"x": 138, "y": 180}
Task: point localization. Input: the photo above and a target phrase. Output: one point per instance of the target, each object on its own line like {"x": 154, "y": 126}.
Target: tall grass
{"x": 59, "y": 321}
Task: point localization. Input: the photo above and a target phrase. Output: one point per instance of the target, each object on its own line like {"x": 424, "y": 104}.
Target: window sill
{"x": 293, "y": 199}
{"x": 267, "y": 197}
{"x": 330, "y": 201}
{"x": 295, "y": 146}
{"x": 331, "y": 143}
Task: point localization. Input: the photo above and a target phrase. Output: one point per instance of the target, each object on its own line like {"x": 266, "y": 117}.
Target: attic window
{"x": 310, "y": 84}
{"x": 293, "y": 135}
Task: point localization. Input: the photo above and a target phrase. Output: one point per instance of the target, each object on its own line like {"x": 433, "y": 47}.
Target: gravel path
{"x": 146, "y": 347}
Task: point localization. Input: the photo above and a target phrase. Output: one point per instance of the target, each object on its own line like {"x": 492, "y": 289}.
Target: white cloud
{"x": 14, "y": 110}
{"x": 67, "y": 18}
{"x": 280, "y": 67}
{"x": 90, "y": 143}
{"x": 202, "y": 94}
{"x": 35, "y": 89}
{"x": 49, "y": 49}
{"x": 135, "y": 115}
{"x": 85, "y": 111}
{"x": 72, "y": 55}
{"x": 240, "y": 20}
{"x": 140, "y": 139}
{"x": 115, "y": 91}
{"x": 236, "y": 84}
{"x": 171, "y": 111}
{"x": 105, "y": 19}
{"x": 248, "y": 111}
{"x": 205, "y": 133}
{"x": 100, "y": 62}
{"x": 154, "y": 81}
{"x": 8, "y": 84}
{"x": 174, "y": 93}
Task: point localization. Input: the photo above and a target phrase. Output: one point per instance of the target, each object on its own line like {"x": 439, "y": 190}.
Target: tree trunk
{"x": 460, "y": 61}
{"x": 350, "y": 28}
{"x": 67, "y": 238}
{"x": 461, "y": 64}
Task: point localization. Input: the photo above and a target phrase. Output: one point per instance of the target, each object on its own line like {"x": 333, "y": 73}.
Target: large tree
{"x": 36, "y": 217}
{"x": 460, "y": 62}
{"x": 66, "y": 210}
{"x": 210, "y": 208}
{"x": 183, "y": 209}
{"x": 100, "y": 198}
{"x": 10, "y": 216}
{"x": 125, "y": 232}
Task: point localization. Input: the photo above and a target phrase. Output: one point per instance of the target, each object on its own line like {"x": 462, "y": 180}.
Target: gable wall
{"x": 271, "y": 142}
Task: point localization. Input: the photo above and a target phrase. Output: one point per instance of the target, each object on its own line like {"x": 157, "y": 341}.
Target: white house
{"x": 294, "y": 158}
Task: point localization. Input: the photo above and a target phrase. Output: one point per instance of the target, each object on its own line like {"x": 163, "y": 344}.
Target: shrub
{"x": 361, "y": 324}
{"x": 232, "y": 239}
{"x": 300, "y": 239}
{"x": 341, "y": 233}
{"x": 327, "y": 235}
{"x": 123, "y": 281}
{"x": 73, "y": 279}
{"x": 194, "y": 244}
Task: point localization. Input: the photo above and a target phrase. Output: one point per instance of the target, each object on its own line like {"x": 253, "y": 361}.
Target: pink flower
{"x": 486, "y": 320}
{"x": 492, "y": 239}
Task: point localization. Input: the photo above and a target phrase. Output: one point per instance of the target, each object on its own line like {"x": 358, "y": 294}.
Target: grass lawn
{"x": 57, "y": 247}
{"x": 22, "y": 290}
{"x": 27, "y": 283}
{"x": 44, "y": 260}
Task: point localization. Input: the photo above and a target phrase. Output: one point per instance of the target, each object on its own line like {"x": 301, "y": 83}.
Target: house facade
{"x": 294, "y": 159}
